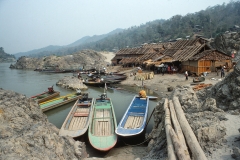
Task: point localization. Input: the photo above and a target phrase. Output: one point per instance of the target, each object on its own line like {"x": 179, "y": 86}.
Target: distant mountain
{"x": 208, "y": 23}
{"x": 4, "y": 57}
{"x": 52, "y": 49}
{"x": 95, "y": 38}
{"x": 32, "y": 52}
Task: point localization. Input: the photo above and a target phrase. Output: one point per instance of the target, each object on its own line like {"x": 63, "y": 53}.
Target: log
{"x": 171, "y": 153}
{"x": 178, "y": 146}
{"x": 191, "y": 139}
{"x": 178, "y": 130}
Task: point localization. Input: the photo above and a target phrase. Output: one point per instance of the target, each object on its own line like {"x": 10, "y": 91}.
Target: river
{"x": 29, "y": 83}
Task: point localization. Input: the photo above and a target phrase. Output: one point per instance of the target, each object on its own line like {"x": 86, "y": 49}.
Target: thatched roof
{"x": 211, "y": 55}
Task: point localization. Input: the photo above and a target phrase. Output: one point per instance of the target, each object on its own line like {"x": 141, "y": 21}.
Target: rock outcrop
{"x": 84, "y": 59}
{"x": 25, "y": 132}
{"x": 226, "y": 92}
{"x": 203, "y": 117}
{"x": 229, "y": 43}
{"x": 71, "y": 82}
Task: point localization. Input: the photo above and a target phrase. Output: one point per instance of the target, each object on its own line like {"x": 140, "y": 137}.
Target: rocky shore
{"x": 213, "y": 114}
{"x": 25, "y": 132}
{"x": 83, "y": 59}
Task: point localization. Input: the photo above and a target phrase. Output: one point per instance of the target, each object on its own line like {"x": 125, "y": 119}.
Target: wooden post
{"x": 171, "y": 154}
{"x": 179, "y": 149}
{"x": 191, "y": 139}
{"x": 178, "y": 129}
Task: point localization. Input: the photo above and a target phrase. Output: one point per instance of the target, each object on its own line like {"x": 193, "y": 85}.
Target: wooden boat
{"x": 53, "y": 103}
{"x": 50, "y": 94}
{"x": 56, "y": 71}
{"x": 77, "y": 121}
{"x": 101, "y": 83}
{"x": 134, "y": 120}
{"x": 101, "y": 132}
{"x": 114, "y": 77}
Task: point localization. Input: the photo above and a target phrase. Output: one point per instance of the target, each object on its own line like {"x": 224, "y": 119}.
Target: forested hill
{"x": 4, "y": 57}
{"x": 208, "y": 23}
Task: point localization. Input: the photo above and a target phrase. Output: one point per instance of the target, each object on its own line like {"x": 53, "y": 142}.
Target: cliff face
{"x": 25, "y": 132}
{"x": 229, "y": 43}
{"x": 85, "y": 58}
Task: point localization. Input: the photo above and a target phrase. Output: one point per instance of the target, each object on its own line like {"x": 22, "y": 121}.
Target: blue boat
{"x": 134, "y": 120}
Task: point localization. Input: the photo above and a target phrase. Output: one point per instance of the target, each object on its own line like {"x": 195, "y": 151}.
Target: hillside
{"x": 68, "y": 49}
{"x": 4, "y": 57}
{"x": 210, "y": 22}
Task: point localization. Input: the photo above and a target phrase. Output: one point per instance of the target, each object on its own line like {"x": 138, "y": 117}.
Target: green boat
{"x": 101, "y": 132}
{"x": 53, "y": 103}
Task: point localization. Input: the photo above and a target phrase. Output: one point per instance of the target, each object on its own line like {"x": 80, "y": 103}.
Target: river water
{"x": 29, "y": 83}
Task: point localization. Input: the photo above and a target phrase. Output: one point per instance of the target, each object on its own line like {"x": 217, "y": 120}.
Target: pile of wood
{"x": 201, "y": 86}
{"x": 177, "y": 131}
{"x": 143, "y": 76}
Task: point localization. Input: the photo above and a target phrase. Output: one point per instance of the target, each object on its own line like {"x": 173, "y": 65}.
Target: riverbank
{"x": 219, "y": 136}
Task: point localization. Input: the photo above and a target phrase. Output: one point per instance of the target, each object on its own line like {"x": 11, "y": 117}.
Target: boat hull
{"x": 134, "y": 120}
{"x": 101, "y": 84}
{"x": 77, "y": 121}
{"x": 101, "y": 132}
{"x": 51, "y": 104}
{"x": 45, "y": 96}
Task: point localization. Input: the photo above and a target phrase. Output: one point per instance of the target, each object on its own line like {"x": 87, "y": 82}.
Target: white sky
{"x": 32, "y": 24}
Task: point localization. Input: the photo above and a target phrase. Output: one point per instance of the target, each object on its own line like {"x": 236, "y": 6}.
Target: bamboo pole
{"x": 178, "y": 130}
{"x": 171, "y": 154}
{"x": 191, "y": 139}
{"x": 179, "y": 149}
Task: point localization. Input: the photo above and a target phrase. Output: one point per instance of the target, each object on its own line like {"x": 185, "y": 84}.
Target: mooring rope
{"x": 137, "y": 144}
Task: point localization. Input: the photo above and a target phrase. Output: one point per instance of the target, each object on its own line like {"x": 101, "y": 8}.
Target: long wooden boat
{"x": 101, "y": 83}
{"x": 134, "y": 120}
{"x": 53, "y": 103}
{"x": 101, "y": 132}
{"x": 45, "y": 96}
{"x": 77, "y": 121}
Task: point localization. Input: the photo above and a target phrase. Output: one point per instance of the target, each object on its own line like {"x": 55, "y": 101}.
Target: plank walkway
{"x": 133, "y": 122}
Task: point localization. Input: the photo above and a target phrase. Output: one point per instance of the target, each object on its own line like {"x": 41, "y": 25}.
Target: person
{"x": 79, "y": 75}
{"x": 142, "y": 94}
{"x": 186, "y": 75}
{"x": 163, "y": 69}
{"x": 222, "y": 72}
{"x": 78, "y": 90}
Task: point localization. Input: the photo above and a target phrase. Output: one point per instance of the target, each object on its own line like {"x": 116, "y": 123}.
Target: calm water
{"x": 30, "y": 83}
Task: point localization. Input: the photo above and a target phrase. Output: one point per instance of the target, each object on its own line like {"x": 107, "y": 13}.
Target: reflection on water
{"x": 30, "y": 83}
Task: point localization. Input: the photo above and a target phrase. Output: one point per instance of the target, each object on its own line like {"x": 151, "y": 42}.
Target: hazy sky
{"x": 32, "y": 24}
